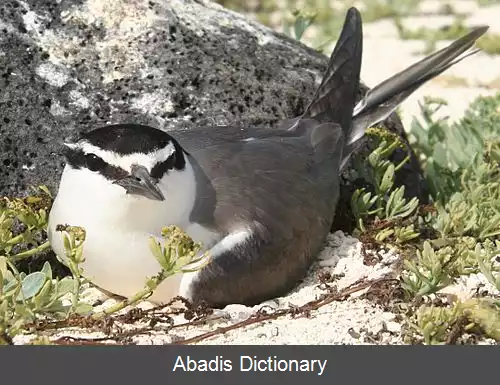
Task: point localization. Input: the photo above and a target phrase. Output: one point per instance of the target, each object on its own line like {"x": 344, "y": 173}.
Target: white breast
{"x": 118, "y": 227}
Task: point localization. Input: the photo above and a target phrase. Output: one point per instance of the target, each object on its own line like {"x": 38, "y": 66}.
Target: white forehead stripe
{"x": 148, "y": 160}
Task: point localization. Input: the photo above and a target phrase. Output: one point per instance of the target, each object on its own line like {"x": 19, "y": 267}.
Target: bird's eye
{"x": 94, "y": 163}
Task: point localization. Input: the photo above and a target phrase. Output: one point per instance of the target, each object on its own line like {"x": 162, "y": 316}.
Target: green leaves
{"x": 301, "y": 21}
{"x": 387, "y": 180}
{"x": 178, "y": 254}
{"x": 436, "y": 267}
{"x": 26, "y": 298}
{"x": 363, "y": 204}
{"x": 38, "y": 286}
{"x": 397, "y": 206}
{"x": 427, "y": 274}
{"x": 73, "y": 239}
{"x": 31, "y": 285}
{"x": 486, "y": 261}
{"x": 435, "y": 323}
{"x": 32, "y": 213}
{"x": 405, "y": 233}
{"x": 475, "y": 210}
{"x": 385, "y": 202}
{"x": 462, "y": 169}
{"x": 447, "y": 149}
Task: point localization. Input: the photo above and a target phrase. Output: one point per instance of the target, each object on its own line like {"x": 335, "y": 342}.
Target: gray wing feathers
{"x": 284, "y": 185}
{"x": 335, "y": 97}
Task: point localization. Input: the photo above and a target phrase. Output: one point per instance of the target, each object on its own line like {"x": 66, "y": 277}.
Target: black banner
{"x": 304, "y": 365}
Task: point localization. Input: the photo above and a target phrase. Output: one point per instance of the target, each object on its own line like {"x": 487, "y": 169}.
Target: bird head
{"x": 133, "y": 159}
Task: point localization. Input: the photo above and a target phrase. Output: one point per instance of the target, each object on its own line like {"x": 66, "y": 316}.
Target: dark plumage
{"x": 126, "y": 139}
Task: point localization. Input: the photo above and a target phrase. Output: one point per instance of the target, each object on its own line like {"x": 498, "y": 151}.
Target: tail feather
{"x": 383, "y": 99}
{"x": 335, "y": 98}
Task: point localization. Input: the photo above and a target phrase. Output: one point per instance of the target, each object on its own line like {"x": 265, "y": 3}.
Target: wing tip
{"x": 347, "y": 49}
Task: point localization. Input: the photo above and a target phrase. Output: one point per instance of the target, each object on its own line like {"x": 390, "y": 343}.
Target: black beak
{"x": 141, "y": 183}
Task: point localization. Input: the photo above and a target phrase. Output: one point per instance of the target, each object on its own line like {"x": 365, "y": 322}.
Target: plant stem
{"x": 17, "y": 239}
{"x": 29, "y": 253}
{"x": 156, "y": 281}
{"x": 398, "y": 167}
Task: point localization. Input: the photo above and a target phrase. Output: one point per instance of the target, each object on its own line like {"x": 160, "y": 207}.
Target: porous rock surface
{"x": 70, "y": 66}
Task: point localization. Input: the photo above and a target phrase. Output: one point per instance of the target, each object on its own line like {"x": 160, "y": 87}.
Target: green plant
{"x": 25, "y": 299}
{"x": 22, "y": 222}
{"x": 428, "y": 273}
{"x": 462, "y": 225}
{"x": 380, "y": 9}
{"x": 487, "y": 263}
{"x": 461, "y": 163}
{"x": 436, "y": 267}
{"x": 475, "y": 209}
{"x": 385, "y": 202}
{"x": 447, "y": 149}
{"x": 487, "y": 2}
{"x": 299, "y": 24}
{"x": 435, "y": 324}
{"x": 489, "y": 43}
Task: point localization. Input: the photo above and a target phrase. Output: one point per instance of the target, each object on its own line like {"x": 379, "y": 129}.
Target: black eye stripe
{"x": 161, "y": 168}
{"x": 174, "y": 161}
{"x": 78, "y": 159}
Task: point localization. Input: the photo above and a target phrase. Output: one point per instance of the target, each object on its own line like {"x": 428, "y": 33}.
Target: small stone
{"x": 393, "y": 327}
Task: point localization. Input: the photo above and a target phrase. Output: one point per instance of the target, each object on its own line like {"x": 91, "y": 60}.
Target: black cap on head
{"x": 125, "y": 139}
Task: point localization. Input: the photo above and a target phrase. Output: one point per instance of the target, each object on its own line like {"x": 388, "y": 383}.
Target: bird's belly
{"x": 120, "y": 262}
{"x": 117, "y": 254}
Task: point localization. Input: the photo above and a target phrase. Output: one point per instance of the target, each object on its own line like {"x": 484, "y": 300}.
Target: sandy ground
{"x": 353, "y": 320}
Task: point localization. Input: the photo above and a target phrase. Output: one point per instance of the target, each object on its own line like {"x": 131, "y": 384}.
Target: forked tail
{"x": 334, "y": 100}
{"x": 379, "y": 102}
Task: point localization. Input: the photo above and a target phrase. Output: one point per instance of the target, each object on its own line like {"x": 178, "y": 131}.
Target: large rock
{"x": 70, "y": 66}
